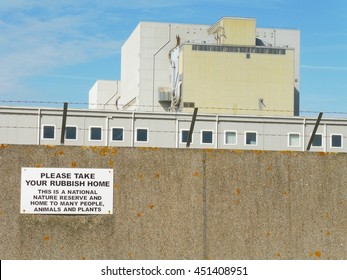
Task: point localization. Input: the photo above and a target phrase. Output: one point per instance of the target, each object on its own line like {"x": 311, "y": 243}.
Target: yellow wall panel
{"x": 235, "y": 31}
{"x": 232, "y": 83}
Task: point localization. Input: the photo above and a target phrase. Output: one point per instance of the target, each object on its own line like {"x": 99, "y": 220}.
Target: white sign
{"x": 66, "y": 191}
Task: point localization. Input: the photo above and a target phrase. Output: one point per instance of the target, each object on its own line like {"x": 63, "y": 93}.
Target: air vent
{"x": 164, "y": 94}
{"x": 188, "y": 104}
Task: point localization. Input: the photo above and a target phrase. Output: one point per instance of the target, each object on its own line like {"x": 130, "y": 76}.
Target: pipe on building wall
{"x": 107, "y": 135}
{"x": 325, "y": 138}
{"x": 132, "y": 129}
{"x": 38, "y": 126}
{"x": 217, "y": 130}
{"x": 303, "y": 134}
{"x": 113, "y": 96}
{"x": 84, "y": 131}
{"x": 177, "y": 140}
{"x": 154, "y": 56}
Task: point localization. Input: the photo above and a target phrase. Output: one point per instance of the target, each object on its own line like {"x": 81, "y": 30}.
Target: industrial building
{"x": 244, "y": 80}
{"x": 229, "y": 67}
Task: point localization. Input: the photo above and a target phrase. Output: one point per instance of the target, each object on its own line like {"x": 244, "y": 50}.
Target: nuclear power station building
{"x": 230, "y": 67}
{"x": 244, "y": 80}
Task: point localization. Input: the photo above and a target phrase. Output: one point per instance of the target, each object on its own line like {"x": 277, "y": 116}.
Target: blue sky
{"x": 56, "y": 50}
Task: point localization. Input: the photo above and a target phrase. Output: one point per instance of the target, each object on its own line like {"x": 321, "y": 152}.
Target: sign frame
{"x": 66, "y": 191}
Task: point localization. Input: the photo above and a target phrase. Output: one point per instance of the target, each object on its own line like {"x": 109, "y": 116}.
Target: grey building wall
{"x": 27, "y": 125}
{"x": 184, "y": 204}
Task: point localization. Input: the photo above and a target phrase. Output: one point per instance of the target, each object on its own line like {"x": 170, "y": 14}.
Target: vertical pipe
{"x": 38, "y": 142}
{"x": 217, "y": 131}
{"x": 325, "y": 137}
{"x": 154, "y": 56}
{"x": 177, "y": 137}
{"x": 107, "y": 132}
{"x": 132, "y": 129}
{"x": 303, "y": 134}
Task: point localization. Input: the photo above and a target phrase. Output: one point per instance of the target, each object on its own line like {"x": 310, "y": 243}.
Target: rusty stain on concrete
{"x": 286, "y": 152}
{"x": 59, "y": 153}
{"x": 318, "y": 254}
{"x": 51, "y": 147}
{"x": 139, "y": 214}
{"x": 150, "y": 205}
{"x": 114, "y": 151}
{"x": 149, "y": 148}
{"x": 269, "y": 169}
{"x": 104, "y": 151}
{"x": 327, "y": 216}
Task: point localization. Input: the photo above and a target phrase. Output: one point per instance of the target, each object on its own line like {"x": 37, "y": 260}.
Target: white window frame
{"x": 288, "y": 142}
{"x": 117, "y": 127}
{"x": 225, "y": 137}
{"x": 90, "y": 134}
{"x": 43, "y": 130}
{"x": 331, "y": 140}
{"x": 137, "y": 129}
{"x": 321, "y": 134}
{"x": 76, "y": 133}
{"x": 256, "y": 135}
{"x": 201, "y": 136}
{"x": 180, "y": 135}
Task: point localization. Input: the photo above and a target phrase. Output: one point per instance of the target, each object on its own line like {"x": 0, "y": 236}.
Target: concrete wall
{"x": 185, "y": 204}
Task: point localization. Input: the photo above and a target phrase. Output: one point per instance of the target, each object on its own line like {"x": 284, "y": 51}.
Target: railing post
{"x": 191, "y": 127}
{"x": 63, "y": 125}
{"x": 314, "y": 131}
